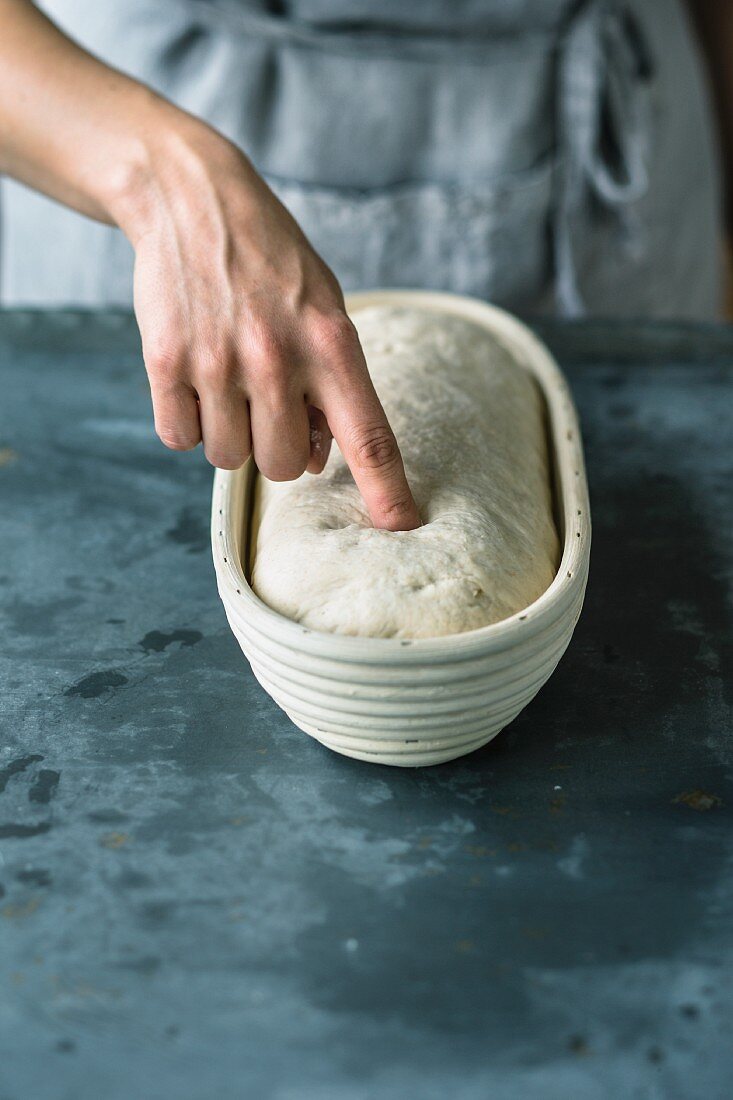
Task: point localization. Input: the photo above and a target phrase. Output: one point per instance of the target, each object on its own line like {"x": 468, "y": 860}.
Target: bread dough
{"x": 469, "y": 420}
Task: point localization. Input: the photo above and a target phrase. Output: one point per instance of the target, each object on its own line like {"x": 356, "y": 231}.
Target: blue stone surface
{"x": 197, "y": 900}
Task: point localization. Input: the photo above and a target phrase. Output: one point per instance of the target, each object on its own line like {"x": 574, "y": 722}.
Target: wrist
{"x": 126, "y": 189}
{"x": 167, "y": 158}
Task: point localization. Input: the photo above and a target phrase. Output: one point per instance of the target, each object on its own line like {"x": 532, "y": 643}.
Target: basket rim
{"x": 556, "y": 601}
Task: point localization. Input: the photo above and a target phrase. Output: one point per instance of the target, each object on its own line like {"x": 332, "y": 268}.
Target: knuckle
{"x": 269, "y": 372}
{"x": 282, "y": 467}
{"x": 214, "y": 368}
{"x": 283, "y": 471}
{"x": 273, "y": 388}
{"x": 375, "y": 447}
{"x": 175, "y": 441}
{"x": 225, "y": 458}
{"x": 333, "y": 331}
{"x": 265, "y": 349}
{"x": 164, "y": 357}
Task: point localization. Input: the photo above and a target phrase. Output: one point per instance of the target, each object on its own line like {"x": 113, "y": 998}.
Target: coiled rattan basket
{"x": 413, "y": 703}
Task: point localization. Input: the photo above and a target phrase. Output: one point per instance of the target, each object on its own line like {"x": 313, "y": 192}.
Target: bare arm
{"x": 245, "y": 338}
{"x": 714, "y": 22}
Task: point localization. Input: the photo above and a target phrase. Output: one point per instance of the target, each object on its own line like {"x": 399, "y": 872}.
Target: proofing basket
{"x": 424, "y": 701}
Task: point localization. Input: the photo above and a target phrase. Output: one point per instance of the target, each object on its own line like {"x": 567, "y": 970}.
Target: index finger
{"x": 360, "y": 427}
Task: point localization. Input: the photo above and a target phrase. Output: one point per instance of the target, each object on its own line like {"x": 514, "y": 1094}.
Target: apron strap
{"x": 603, "y": 126}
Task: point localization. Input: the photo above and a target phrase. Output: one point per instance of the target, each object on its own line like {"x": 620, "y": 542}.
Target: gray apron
{"x": 543, "y": 154}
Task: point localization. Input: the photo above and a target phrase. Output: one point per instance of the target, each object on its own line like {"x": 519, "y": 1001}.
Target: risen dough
{"x": 469, "y": 422}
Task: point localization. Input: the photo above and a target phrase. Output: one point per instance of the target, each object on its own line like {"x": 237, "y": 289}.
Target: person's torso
{"x": 427, "y": 143}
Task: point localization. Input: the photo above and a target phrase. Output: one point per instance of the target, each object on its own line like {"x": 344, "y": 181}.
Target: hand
{"x": 245, "y": 336}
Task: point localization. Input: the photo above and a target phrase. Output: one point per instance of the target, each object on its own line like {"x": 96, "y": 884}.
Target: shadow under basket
{"x": 425, "y": 701}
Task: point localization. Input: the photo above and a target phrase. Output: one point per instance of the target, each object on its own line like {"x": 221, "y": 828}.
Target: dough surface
{"x": 469, "y": 422}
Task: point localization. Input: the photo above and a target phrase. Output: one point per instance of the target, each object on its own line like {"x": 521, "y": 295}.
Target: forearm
{"x": 244, "y": 332}
{"x": 73, "y": 127}
{"x": 714, "y": 22}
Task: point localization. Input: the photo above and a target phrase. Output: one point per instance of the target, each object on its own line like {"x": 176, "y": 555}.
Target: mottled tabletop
{"x": 198, "y": 901}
